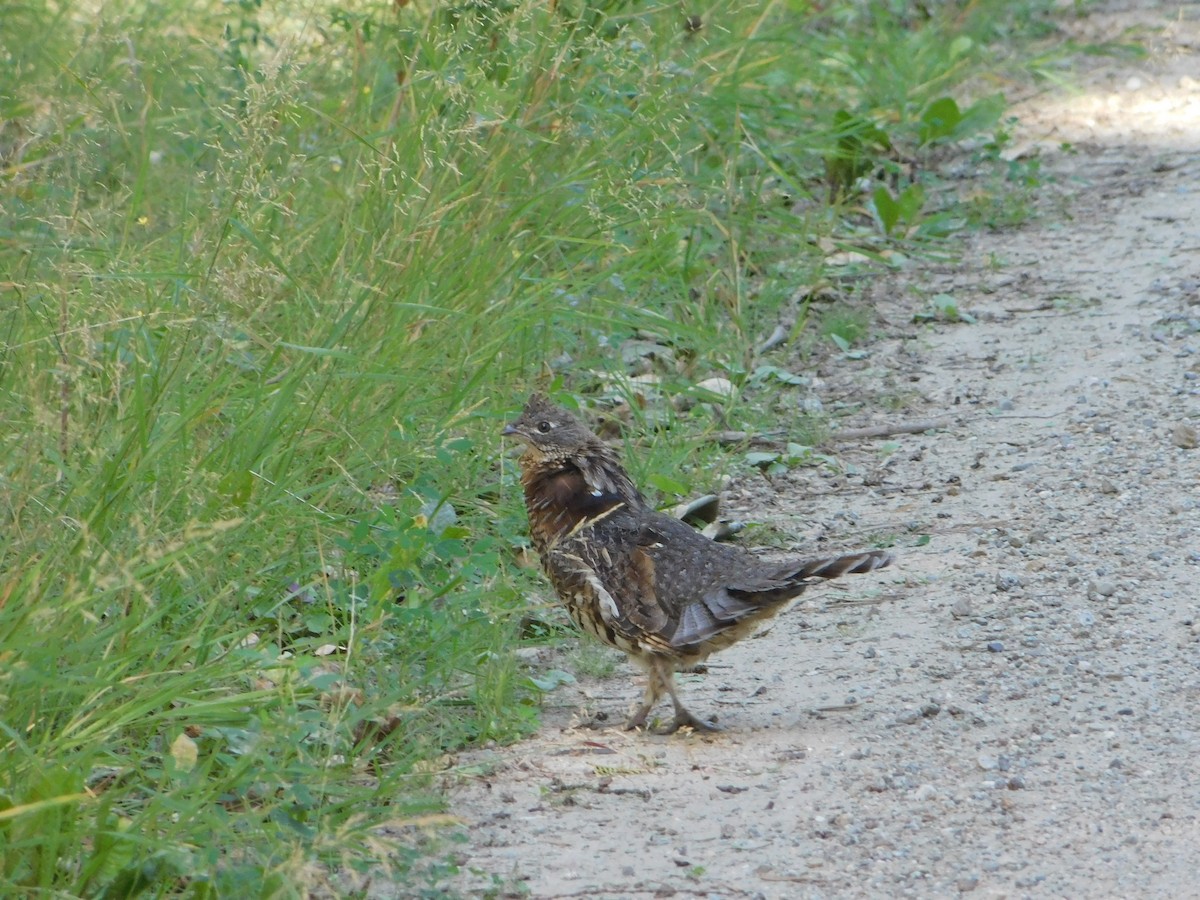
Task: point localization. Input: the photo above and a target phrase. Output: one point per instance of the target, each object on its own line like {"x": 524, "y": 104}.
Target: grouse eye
{"x": 544, "y": 427}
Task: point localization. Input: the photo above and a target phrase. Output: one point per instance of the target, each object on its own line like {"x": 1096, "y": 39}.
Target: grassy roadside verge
{"x": 271, "y": 277}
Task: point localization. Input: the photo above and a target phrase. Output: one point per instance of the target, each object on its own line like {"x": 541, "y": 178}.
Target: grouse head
{"x": 550, "y": 432}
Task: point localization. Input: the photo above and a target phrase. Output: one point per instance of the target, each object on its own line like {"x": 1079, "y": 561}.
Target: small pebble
{"x": 1006, "y": 581}
{"x": 1185, "y": 437}
{"x": 925, "y": 792}
{"x": 995, "y": 647}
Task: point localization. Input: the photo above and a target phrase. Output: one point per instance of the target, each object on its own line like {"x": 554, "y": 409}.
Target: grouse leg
{"x": 654, "y": 690}
{"x": 660, "y": 679}
{"x": 682, "y": 716}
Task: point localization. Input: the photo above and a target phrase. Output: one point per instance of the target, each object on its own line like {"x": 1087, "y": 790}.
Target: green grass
{"x": 272, "y": 276}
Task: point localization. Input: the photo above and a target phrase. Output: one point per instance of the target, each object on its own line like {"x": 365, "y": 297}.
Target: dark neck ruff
{"x": 558, "y": 498}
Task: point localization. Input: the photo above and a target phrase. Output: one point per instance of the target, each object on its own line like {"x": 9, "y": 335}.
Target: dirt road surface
{"x": 1014, "y": 710}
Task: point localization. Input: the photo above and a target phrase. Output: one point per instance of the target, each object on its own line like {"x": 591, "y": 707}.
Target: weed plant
{"x": 271, "y": 277}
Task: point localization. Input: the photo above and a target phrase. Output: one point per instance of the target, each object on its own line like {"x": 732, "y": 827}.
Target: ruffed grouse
{"x": 637, "y": 579}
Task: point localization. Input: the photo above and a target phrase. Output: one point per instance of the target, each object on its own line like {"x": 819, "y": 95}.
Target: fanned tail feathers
{"x": 837, "y": 566}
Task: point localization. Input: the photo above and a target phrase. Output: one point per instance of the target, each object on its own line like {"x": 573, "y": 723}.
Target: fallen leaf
{"x": 184, "y": 752}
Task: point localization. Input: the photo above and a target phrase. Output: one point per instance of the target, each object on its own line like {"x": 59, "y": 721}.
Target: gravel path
{"x": 1015, "y": 709}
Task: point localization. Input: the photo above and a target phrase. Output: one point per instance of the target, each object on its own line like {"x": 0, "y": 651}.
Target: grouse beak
{"x": 510, "y": 430}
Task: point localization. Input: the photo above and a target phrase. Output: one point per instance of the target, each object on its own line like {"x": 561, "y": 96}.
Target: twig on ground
{"x": 843, "y": 435}
{"x": 603, "y": 786}
{"x": 727, "y": 438}
{"x": 878, "y": 431}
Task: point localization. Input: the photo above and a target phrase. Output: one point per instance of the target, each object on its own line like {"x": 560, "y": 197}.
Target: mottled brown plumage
{"x": 639, "y": 580}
